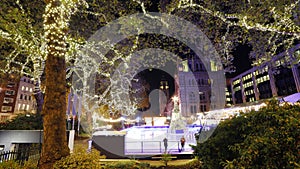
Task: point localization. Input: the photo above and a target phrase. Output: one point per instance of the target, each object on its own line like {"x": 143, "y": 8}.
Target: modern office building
{"x": 276, "y": 78}
{"x": 17, "y": 97}
{"x": 228, "y": 94}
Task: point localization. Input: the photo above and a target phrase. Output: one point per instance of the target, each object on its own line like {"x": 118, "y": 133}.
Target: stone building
{"x": 17, "y": 97}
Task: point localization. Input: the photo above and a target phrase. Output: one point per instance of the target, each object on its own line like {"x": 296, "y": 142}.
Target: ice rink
{"x": 149, "y": 139}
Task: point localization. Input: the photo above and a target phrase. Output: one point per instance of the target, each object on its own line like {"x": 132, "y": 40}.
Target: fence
{"x": 21, "y": 155}
{"x": 153, "y": 147}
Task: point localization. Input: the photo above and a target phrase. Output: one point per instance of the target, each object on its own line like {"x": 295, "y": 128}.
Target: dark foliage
{"x": 268, "y": 138}
{"x": 27, "y": 121}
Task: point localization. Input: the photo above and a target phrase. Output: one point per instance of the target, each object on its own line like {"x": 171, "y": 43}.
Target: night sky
{"x": 241, "y": 60}
{"x": 154, "y": 76}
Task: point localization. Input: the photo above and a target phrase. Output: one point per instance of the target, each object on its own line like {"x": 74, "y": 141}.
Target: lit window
{"x": 23, "y": 88}
{"x": 237, "y": 88}
{"x": 6, "y": 108}
{"x": 30, "y": 89}
{"x": 8, "y": 100}
{"x": 213, "y": 66}
{"x": 10, "y": 84}
{"x": 9, "y": 92}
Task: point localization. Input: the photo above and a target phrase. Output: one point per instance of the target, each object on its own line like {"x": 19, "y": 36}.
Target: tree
{"x": 33, "y": 47}
{"x": 269, "y": 27}
{"x": 29, "y": 53}
{"x": 268, "y": 138}
{"x": 140, "y": 91}
{"x": 54, "y": 107}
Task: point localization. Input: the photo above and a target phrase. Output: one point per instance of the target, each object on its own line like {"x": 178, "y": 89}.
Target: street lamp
{"x": 122, "y": 121}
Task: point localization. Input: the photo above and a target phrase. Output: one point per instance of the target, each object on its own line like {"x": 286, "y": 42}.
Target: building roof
{"x": 293, "y": 98}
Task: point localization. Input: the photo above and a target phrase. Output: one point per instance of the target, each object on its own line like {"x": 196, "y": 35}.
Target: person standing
{"x": 165, "y": 144}
{"x": 182, "y": 142}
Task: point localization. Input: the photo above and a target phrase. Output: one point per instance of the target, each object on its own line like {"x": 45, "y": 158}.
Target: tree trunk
{"x": 54, "y": 109}
{"x": 39, "y": 97}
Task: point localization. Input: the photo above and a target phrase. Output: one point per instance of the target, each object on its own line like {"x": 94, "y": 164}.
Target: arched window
{"x": 192, "y": 97}
{"x": 197, "y": 67}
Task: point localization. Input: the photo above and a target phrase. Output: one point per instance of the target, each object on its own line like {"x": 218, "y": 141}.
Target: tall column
{"x": 242, "y": 90}
{"x": 272, "y": 82}
{"x": 232, "y": 93}
{"x": 296, "y": 76}
{"x": 256, "y": 92}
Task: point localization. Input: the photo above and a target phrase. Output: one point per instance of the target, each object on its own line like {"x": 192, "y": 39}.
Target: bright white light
{"x": 175, "y": 99}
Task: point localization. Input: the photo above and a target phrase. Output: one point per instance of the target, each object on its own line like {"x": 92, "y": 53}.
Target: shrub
{"x": 30, "y": 164}
{"x": 80, "y": 159}
{"x": 12, "y": 164}
{"x": 268, "y": 138}
{"x": 166, "y": 158}
{"x": 132, "y": 164}
{"x": 193, "y": 164}
{"x": 27, "y": 121}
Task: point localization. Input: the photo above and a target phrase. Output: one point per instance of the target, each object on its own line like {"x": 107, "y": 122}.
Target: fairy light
{"x": 69, "y": 7}
{"x": 243, "y": 21}
{"x": 54, "y": 40}
{"x": 282, "y": 26}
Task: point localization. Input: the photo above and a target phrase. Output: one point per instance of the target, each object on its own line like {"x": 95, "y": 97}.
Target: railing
{"x": 151, "y": 146}
{"x": 20, "y": 155}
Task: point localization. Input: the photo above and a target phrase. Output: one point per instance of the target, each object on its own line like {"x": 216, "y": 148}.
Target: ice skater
{"x": 165, "y": 144}
{"x": 182, "y": 142}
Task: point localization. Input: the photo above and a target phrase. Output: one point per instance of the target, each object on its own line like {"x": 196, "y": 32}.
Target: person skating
{"x": 182, "y": 141}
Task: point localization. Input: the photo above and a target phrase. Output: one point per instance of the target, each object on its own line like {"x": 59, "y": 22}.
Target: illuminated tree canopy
{"x": 43, "y": 39}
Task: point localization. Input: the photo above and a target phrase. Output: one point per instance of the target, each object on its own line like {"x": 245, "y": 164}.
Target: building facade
{"x": 17, "y": 97}
{"x": 194, "y": 87}
{"x": 279, "y": 77}
{"x": 200, "y": 87}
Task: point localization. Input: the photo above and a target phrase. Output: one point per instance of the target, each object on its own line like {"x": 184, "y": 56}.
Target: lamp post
{"x": 122, "y": 121}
